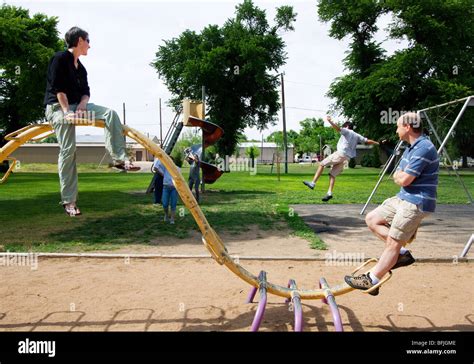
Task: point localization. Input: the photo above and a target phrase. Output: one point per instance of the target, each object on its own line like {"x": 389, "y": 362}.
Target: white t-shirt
{"x": 348, "y": 141}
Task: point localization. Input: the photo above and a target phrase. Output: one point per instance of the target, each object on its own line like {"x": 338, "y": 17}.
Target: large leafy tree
{"x": 314, "y": 135}
{"x": 436, "y": 67}
{"x": 237, "y": 63}
{"x": 27, "y": 43}
{"x": 277, "y": 138}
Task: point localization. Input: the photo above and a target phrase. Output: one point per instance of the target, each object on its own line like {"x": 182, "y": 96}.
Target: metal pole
{"x": 396, "y": 165}
{"x": 124, "y": 120}
{"x": 467, "y": 247}
{"x": 262, "y": 289}
{"x": 331, "y": 301}
{"x": 251, "y": 295}
{"x": 203, "y": 152}
{"x": 285, "y": 140}
{"x": 161, "y": 127}
{"x": 466, "y": 104}
{"x": 296, "y": 301}
{"x": 445, "y": 104}
{"x": 320, "y": 148}
{"x": 395, "y": 168}
{"x": 445, "y": 152}
{"x": 387, "y": 165}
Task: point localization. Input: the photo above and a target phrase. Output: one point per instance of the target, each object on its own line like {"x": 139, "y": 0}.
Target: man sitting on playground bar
{"x": 396, "y": 221}
{"x": 67, "y": 98}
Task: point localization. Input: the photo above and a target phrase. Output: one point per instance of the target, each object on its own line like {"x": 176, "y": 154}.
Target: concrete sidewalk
{"x": 441, "y": 235}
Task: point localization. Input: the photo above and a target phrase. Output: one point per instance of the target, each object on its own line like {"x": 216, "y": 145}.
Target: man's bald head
{"x": 413, "y": 120}
{"x": 409, "y": 127}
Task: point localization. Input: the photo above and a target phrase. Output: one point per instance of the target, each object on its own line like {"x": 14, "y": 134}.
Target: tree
{"x": 238, "y": 65}
{"x": 252, "y": 152}
{"x": 314, "y": 135}
{"x": 50, "y": 139}
{"x": 277, "y": 137}
{"x": 436, "y": 67}
{"x": 27, "y": 43}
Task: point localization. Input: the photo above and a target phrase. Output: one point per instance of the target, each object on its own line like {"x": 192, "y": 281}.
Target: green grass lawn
{"x": 116, "y": 215}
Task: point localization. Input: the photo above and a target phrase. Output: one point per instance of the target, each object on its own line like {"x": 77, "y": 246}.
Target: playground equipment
{"x": 468, "y": 101}
{"x": 193, "y": 116}
{"x": 467, "y": 246}
{"x": 296, "y": 299}
{"x": 210, "y": 238}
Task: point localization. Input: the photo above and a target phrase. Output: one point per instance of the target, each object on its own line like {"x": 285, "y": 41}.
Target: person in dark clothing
{"x": 67, "y": 102}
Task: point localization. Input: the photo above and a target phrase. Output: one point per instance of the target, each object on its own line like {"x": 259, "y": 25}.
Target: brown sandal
{"x": 71, "y": 210}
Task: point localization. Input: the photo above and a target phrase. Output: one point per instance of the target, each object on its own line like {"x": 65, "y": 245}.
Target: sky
{"x": 125, "y": 35}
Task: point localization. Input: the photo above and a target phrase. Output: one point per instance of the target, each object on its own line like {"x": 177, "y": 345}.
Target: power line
{"x": 301, "y": 108}
{"x": 306, "y": 83}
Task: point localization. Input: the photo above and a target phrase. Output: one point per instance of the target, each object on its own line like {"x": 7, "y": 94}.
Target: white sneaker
{"x": 172, "y": 222}
{"x": 309, "y": 184}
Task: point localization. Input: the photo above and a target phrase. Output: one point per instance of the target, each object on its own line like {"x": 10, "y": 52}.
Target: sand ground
{"x": 91, "y": 294}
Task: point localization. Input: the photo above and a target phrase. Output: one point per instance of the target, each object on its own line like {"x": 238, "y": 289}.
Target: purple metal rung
{"x": 324, "y": 300}
{"x": 331, "y": 301}
{"x": 287, "y": 300}
{"x": 251, "y": 295}
{"x": 262, "y": 288}
{"x": 296, "y": 300}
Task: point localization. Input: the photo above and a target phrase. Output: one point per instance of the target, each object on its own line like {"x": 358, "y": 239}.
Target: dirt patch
{"x": 83, "y": 294}
{"x": 253, "y": 241}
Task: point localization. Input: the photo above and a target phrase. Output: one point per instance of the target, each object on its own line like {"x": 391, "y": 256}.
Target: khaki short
{"x": 403, "y": 217}
{"x": 336, "y": 160}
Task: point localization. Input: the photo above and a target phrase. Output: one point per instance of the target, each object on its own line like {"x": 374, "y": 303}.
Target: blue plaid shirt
{"x": 421, "y": 160}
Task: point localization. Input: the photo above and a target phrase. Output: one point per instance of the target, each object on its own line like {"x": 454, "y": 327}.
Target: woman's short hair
{"x": 73, "y": 35}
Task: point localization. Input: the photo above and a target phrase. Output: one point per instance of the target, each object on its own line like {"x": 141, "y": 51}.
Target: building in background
{"x": 89, "y": 149}
{"x": 267, "y": 151}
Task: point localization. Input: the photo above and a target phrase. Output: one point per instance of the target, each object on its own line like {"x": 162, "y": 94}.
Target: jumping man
{"x": 346, "y": 149}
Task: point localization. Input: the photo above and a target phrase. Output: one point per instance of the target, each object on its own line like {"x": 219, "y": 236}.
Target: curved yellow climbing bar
{"x": 210, "y": 238}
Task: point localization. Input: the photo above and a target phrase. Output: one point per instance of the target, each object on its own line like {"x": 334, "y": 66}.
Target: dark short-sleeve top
{"x": 63, "y": 76}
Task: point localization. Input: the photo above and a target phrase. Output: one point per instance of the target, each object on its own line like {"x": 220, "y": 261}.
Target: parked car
{"x": 307, "y": 159}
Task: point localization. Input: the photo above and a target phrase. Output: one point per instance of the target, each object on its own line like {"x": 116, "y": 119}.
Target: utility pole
{"x": 161, "y": 128}
{"x": 203, "y": 153}
{"x": 124, "y": 120}
{"x": 285, "y": 140}
{"x": 320, "y": 148}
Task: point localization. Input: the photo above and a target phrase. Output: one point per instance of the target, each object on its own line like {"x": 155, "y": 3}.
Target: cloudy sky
{"x": 125, "y": 36}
